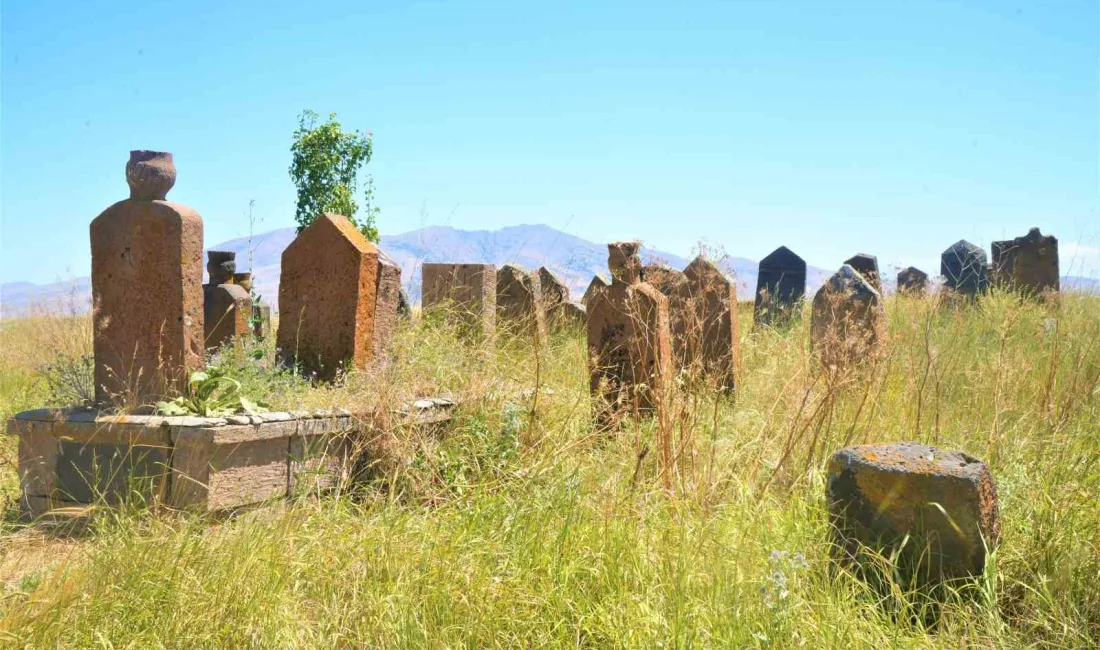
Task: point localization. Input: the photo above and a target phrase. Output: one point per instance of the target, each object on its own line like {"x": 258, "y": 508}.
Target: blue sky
{"x": 831, "y": 127}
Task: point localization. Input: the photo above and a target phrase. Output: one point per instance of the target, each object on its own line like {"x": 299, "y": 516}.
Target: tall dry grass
{"x": 521, "y": 527}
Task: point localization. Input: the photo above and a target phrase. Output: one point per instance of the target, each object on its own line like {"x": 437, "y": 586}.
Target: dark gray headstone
{"x": 965, "y": 269}
{"x": 912, "y": 280}
{"x": 1028, "y": 264}
{"x": 867, "y": 266}
{"x": 780, "y": 285}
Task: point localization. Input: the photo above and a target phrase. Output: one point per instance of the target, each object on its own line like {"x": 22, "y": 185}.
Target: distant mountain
{"x": 573, "y": 259}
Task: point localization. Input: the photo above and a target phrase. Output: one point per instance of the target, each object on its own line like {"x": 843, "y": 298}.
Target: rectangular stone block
{"x": 319, "y": 462}
{"x": 87, "y": 472}
{"x": 38, "y": 451}
{"x": 464, "y": 292}
{"x": 218, "y": 477}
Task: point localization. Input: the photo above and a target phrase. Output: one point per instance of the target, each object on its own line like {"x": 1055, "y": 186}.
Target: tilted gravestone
{"x": 934, "y": 510}
{"x": 552, "y": 290}
{"x": 227, "y": 306}
{"x": 1028, "y": 264}
{"x": 912, "y": 281}
{"x": 628, "y": 337}
{"x": 466, "y": 293}
{"x": 387, "y": 299}
{"x": 867, "y": 266}
{"x": 847, "y": 318}
{"x": 146, "y": 287}
{"x": 780, "y": 285}
{"x": 518, "y": 302}
{"x": 965, "y": 269}
{"x": 703, "y": 310}
{"x": 595, "y": 286}
{"x": 327, "y": 298}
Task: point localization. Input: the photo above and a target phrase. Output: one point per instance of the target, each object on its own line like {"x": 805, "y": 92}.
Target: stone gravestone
{"x": 703, "y": 311}
{"x": 663, "y": 278}
{"x": 552, "y": 290}
{"x": 933, "y": 507}
{"x": 261, "y": 320}
{"x": 146, "y": 287}
{"x": 464, "y": 292}
{"x": 518, "y": 302}
{"x": 227, "y": 306}
{"x": 567, "y": 315}
{"x": 628, "y": 337}
{"x": 965, "y": 269}
{"x": 387, "y": 300}
{"x": 912, "y": 281}
{"x": 847, "y": 318}
{"x": 867, "y": 266}
{"x": 327, "y": 298}
{"x": 595, "y": 286}
{"x": 780, "y": 285}
{"x": 1028, "y": 264}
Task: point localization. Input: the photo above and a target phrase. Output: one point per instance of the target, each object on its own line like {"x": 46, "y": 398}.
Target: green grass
{"x": 523, "y": 527}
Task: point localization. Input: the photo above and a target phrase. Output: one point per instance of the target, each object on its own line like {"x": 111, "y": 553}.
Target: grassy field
{"x": 524, "y": 527}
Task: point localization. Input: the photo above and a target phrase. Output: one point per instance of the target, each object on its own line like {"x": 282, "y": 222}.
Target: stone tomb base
{"x": 76, "y": 458}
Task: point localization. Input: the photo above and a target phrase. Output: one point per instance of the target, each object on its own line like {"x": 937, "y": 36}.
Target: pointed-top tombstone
{"x": 780, "y": 285}
{"x": 227, "y": 306}
{"x": 628, "y": 337}
{"x": 965, "y": 269}
{"x": 867, "y": 266}
{"x": 518, "y": 308}
{"x": 1028, "y": 264}
{"x": 327, "y": 298}
{"x": 912, "y": 281}
{"x": 146, "y": 287}
{"x": 705, "y": 335}
{"x": 597, "y": 284}
{"x": 847, "y": 318}
{"x": 551, "y": 289}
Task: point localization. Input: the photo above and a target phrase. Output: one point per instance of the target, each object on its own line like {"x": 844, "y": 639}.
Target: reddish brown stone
{"x": 327, "y": 298}
{"x": 847, "y": 318}
{"x": 567, "y": 315}
{"x": 518, "y": 304}
{"x": 595, "y": 286}
{"x": 703, "y": 313}
{"x": 1028, "y": 264}
{"x": 466, "y": 293}
{"x": 227, "y": 307}
{"x": 551, "y": 289}
{"x": 936, "y": 509}
{"x": 663, "y": 278}
{"x": 150, "y": 175}
{"x": 628, "y": 337}
{"x": 388, "y": 297}
{"x": 146, "y": 290}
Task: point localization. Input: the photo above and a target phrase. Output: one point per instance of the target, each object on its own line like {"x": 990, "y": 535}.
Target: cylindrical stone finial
{"x": 221, "y": 265}
{"x": 150, "y": 174}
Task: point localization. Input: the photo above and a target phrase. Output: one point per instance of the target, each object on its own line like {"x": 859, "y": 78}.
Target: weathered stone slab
{"x": 867, "y": 266}
{"x": 628, "y": 337}
{"x": 1028, "y": 264}
{"x": 965, "y": 269}
{"x": 597, "y": 284}
{"x": 847, "y": 318}
{"x": 261, "y": 320}
{"x": 327, "y": 298}
{"x": 703, "y": 312}
{"x": 519, "y": 308}
{"x": 567, "y": 315}
{"x": 111, "y": 471}
{"x": 780, "y": 286}
{"x": 227, "y": 306}
{"x": 387, "y": 305}
{"x": 146, "y": 287}
{"x": 465, "y": 293}
{"x": 944, "y": 502}
{"x": 912, "y": 281}
{"x": 663, "y": 278}
{"x": 552, "y": 290}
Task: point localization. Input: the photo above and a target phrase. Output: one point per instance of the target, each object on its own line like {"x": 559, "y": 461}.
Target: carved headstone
{"x": 628, "y": 337}
{"x": 1028, "y": 264}
{"x": 465, "y": 292}
{"x": 518, "y": 302}
{"x": 551, "y": 289}
{"x": 327, "y": 298}
{"x": 595, "y": 286}
{"x": 780, "y": 285}
{"x": 937, "y": 509}
{"x": 386, "y": 304}
{"x": 965, "y": 269}
{"x": 663, "y": 278}
{"x": 146, "y": 287}
{"x": 703, "y": 312}
{"x": 912, "y": 281}
{"x": 867, "y": 266}
{"x": 847, "y": 318}
{"x": 227, "y": 307}
{"x": 567, "y": 315}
